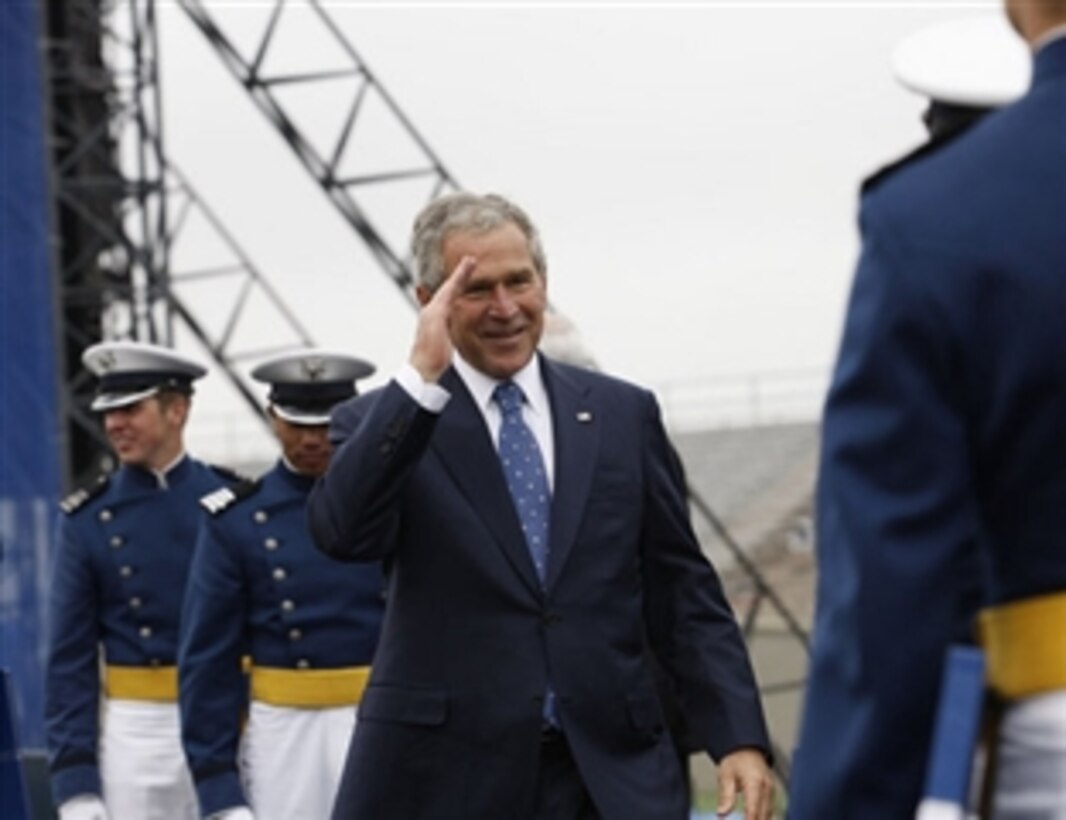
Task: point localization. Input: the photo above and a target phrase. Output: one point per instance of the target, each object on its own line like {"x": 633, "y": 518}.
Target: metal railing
{"x": 743, "y": 400}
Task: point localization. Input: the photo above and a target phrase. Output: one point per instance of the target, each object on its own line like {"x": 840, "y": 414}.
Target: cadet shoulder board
{"x": 80, "y": 497}
{"x": 223, "y": 498}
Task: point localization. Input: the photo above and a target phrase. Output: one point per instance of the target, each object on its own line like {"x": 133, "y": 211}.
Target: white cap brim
{"x": 113, "y": 401}
{"x": 303, "y": 418}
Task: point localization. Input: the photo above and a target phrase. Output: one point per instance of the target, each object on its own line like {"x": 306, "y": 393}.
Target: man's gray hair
{"x": 473, "y": 213}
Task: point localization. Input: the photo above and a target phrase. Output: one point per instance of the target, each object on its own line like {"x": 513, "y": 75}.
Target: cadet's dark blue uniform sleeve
{"x": 213, "y": 690}
{"x": 896, "y": 538}
{"x": 72, "y": 684}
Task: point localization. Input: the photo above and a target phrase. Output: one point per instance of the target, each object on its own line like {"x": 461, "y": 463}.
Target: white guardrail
{"x": 749, "y": 400}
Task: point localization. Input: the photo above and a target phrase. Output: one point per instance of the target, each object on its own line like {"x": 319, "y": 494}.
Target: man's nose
{"x": 314, "y": 436}
{"x": 503, "y": 302}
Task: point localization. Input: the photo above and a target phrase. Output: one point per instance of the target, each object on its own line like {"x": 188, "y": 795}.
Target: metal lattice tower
{"x": 110, "y": 247}
{"x": 121, "y": 208}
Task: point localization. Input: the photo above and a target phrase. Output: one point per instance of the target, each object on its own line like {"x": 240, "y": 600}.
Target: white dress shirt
{"x": 536, "y": 410}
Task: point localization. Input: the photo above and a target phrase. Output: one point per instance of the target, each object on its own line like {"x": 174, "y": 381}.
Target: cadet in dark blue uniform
{"x": 124, "y": 549}
{"x": 944, "y": 452}
{"x": 259, "y": 587}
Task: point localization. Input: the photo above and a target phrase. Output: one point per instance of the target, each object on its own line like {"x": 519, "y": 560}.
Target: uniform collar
{"x": 288, "y": 474}
{"x": 171, "y": 475}
{"x": 1050, "y": 59}
{"x": 1048, "y": 37}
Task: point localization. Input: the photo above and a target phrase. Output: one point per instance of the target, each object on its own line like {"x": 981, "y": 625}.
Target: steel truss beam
{"x": 326, "y": 170}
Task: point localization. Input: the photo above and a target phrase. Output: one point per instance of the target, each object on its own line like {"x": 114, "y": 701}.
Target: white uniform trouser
{"x": 292, "y": 759}
{"x": 142, "y": 764}
{"x": 1031, "y": 776}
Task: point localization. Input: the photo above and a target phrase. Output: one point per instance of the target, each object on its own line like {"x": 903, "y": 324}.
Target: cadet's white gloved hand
{"x": 238, "y": 813}
{"x": 83, "y": 807}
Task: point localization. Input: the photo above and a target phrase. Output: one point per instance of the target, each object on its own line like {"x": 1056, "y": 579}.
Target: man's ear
{"x": 272, "y": 416}
{"x": 423, "y": 294}
{"x": 177, "y": 407}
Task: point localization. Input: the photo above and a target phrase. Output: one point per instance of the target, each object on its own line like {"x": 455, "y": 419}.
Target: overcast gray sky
{"x": 693, "y": 167}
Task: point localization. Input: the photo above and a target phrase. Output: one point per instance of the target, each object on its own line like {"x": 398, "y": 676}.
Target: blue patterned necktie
{"x": 527, "y": 480}
{"x": 526, "y": 477}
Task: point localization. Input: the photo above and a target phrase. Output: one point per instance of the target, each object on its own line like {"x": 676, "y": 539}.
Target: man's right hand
{"x": 432, "y": 351}
{"x": 83, "y": 807}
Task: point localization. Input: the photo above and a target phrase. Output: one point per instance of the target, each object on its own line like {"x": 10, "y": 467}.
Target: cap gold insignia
{"x": 315, "y": 369}
{"x": 107, "y": 361}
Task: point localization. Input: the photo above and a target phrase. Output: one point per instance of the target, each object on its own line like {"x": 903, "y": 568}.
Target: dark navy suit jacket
{"x": 450, "y": 724}
{"x": 943, "y": 483}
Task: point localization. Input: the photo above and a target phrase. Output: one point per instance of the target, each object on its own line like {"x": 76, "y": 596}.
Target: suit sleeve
{"x": 213, "y": 689}
{"x": 898, "y": 579}
{"x": 354, "y": 509}
{"x": 72, "y": 684}
{"x": 691, "y": 627}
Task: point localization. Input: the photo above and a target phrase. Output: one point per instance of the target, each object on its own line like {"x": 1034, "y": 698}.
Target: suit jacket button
{"x": 552, "y": 618}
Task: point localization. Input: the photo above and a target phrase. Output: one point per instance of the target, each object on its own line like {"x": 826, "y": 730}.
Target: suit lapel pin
{"x": 584, "y": 416}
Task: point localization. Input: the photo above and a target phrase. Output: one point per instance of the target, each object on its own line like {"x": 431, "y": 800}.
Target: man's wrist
{"x": 429, "y": 395}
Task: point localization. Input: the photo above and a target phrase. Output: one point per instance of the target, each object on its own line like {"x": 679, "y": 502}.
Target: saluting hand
{"x": 432, "y": 350}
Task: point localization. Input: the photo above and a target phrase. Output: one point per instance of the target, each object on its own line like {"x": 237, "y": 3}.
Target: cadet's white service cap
{"x": 978, "y": 62}
{"x": 305, "y": 385}
{"x": 132, "y": 371}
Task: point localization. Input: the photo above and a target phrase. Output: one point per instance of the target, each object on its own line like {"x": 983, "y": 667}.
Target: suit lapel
{"x": 576, "y": 430}
{"x": 467, "y": 452}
